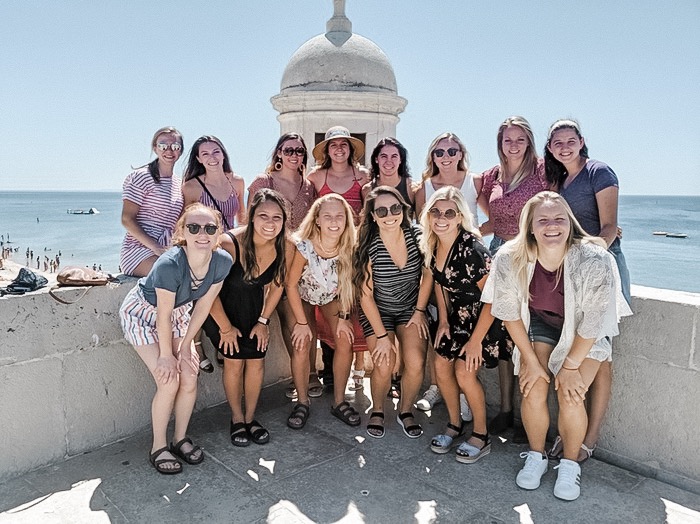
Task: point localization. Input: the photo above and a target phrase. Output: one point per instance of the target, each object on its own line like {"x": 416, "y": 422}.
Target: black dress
{"x": 243, "y": 303}
{"x": 468, "y": 261}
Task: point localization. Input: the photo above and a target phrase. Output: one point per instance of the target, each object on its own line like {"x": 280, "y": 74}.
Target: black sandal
{"x": 191, "y": 457}
{"x": 411, "y": 430}
{"x": 379, "y": 428}
{"x": 239, "y": 434}
{"x": 299, "y": 412}
{"x": 158, "y": 463}
{"x": 259, "y": 435}
{"x": 346, "y": 413}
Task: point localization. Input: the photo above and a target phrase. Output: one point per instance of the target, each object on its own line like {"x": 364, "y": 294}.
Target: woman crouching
{"x": 156, "y": 321}
{"x": 558, "y": 292}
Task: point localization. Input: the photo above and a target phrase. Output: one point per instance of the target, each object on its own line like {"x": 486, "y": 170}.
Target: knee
{"x": 168, "y": 390}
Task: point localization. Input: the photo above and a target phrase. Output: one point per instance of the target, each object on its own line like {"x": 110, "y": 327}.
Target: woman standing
{"x": 394, "y": 288}
{"x": 466, "y": 329}
{"x": 389, "y": 167}
{"x": 152, "y": 203}
{"x": 447, "y": 165}
{"x": 239, "y": 318}
{"x": 591, "y": 189}
{"x": 558, "y": 292}
{"x": 506, "y": 187}
{"x": 320, "y": 275}
{"x": 156, "y": 321}
{"x": 285, "y": 174}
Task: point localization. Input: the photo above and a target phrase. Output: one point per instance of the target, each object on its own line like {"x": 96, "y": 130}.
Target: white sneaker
{"x": 431, "y": 397}
{"x": 464, "y": 409}
{"x": 535, "y": 466}
{"x": 568, "y": 484}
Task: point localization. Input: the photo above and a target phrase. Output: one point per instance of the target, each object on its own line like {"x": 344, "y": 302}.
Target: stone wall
{"x": 70, "y": 383}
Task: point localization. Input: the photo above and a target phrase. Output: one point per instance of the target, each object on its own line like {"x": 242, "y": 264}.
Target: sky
{"x": 84, "y": 84}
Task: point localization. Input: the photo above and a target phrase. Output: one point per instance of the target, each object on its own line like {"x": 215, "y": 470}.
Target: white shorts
{"x": 138, "y": 318}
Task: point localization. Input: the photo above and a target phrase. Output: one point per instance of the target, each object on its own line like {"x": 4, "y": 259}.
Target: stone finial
{"x": 339, "y": 27}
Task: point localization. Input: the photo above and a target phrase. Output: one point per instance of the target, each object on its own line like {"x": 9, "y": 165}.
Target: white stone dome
{"x": 357, "y": 64}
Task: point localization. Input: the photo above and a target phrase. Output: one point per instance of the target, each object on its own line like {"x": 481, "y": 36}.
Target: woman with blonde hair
{"x": 558, "y": 292}
{"x": 321, "y": 275}
{"x": 467, "y": 336}
{"x": 155, "y": 317}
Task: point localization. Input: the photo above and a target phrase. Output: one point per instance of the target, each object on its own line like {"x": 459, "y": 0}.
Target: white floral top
{"x": 318, "y": 284}
{"x": 593, "y": 301}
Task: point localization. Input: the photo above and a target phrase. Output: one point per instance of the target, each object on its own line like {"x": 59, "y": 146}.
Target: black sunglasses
{"x": 289, "y": 151}
{"x": 382, "y": 212}
{"x": 449, "y": 214}
{"x": 441, "y": 152}
{"x": 209, "y": 229}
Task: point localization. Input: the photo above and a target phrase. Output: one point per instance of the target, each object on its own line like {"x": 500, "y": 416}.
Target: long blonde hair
{"x": 429, "y": 239}
{"x": 523, "y": 248}
{"x": 309, "y": 230}
{"x": 431, "y": 169}
{"x": 530, "y": 159}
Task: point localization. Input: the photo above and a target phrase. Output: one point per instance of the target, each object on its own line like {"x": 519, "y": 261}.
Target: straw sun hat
{"x": 319, "y": 151}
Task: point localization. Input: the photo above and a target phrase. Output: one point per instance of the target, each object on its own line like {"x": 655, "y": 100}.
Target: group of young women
{"x": 337, "y": 251}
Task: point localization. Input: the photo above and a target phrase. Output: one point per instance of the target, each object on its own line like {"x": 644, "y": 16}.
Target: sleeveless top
{"x": 228, "y": 208}
{"x": 352, "y": 196}
{"x": 297, "y": 209}
{"x": 468, "y": 190}
{"x": 318, "y": 284}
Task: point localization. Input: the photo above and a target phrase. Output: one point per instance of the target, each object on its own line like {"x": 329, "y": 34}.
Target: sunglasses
{"x": 209, "y": 229}
{"x": 435, "y": 213}
{"x": 164, "y": 147}
{"x": 441, "y": 152}
{"x": 289, "y": 151}
{"x": 382, "y": 212}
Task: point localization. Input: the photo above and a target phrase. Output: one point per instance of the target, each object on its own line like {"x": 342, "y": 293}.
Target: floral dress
{"x": 318, "y": 284}
{"x": 468, "y": 261}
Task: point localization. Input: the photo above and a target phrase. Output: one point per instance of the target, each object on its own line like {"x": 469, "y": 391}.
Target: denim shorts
{"x": 616, "y": 251}
{"x": 540, "y": 331}
{"x": 495, "y": 245}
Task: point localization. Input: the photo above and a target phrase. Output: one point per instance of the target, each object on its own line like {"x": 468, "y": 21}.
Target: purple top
{"x": 547, "y": 296}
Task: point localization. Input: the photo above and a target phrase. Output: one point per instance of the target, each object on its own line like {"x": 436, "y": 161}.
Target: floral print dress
{"x": 468, "y": 261}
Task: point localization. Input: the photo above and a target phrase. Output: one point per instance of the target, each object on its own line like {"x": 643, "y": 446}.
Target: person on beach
{"x": 394, "y": 288}
{"x": 285, "y": 174}
{"x": 467, "y": 336}
{"x": 155, "y": 317}
{"x": 389, "y": 167}
{"x": 210, "y": 180}
{"x": 558, "y": 291}
{"x": 321, "y": 275}
{"x": 239, "y": 319}
{"x": 591, "y": 189}
{"x": 338, "y": 170}
{"x": 151, "y": 204}
{"x": 447, "y": 164}
{"x": 505, "y": 189}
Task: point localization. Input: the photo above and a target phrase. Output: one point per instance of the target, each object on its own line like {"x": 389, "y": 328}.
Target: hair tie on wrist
{"x": 303, "y": 323}
{"x": 383, "y": 336}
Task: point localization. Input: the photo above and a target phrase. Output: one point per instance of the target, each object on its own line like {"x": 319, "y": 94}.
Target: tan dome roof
{"x": 358, "y": 64}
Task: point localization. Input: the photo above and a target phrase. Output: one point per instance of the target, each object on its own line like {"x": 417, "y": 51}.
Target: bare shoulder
{"x": 366, "y": 189}
{"x": 364, "y": 176}
{"x": 191, "y": 191}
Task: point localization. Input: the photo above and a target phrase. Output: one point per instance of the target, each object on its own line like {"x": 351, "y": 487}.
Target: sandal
{"x": 299, "y": 412}
{"x": 259, "y": 435}
{"x": 346, "y": 413}
{"x": 414, "y": 430}
{"x": 588, "y": 451}
{"x": 441, "y": 444}
{"x": 315, "y": 386}
{"x": 357, "y": 380}
{"x": 395, "y": 390}
{"x": 557, "y": 449}
{"x": 206, "y": 366}
{"x": 468, "y": 453}
{"x": 193, "y": 456}
{"x": 159, "y": 463}
{"x": 239, "y": 434}
{"x": 376, "y": 430}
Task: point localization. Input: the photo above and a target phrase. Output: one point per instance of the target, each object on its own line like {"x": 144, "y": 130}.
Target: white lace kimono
{"x": 593, "y": 301}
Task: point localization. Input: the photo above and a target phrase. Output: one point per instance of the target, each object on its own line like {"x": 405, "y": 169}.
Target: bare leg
{"x": 535, "y": 413}
{"x": 471, "y": 387}
{"x": 447, "y": 382}
{"x": 233, "y": 387}
{"x": 342, "y": 360}
{"x": 413, "y": 350}
{"x": 300, "y": 360}
{"x": 254, "y": 371}
{"x": 381, "y": 378}
{"x": 144, "y": 267}
{"x": 184, "y": 402}
{"x": 598, "y": 398}
{"x": 506, "y": 381}
{"x": 573, "y": 419}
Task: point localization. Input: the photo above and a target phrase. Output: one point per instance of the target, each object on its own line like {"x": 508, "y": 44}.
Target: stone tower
{"x": 339, "y": 78}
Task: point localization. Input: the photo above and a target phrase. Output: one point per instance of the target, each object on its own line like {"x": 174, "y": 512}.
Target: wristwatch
{"x": 264, "y": 321}
{"x": 342, "y": 315}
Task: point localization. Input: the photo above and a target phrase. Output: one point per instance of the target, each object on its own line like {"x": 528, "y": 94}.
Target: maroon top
{"x": 547, "y": 296}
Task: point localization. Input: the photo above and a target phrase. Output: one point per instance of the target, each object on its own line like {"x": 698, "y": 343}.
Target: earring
{"x": 278, "y": 164}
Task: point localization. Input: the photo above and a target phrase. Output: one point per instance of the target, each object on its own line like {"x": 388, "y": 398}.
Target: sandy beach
{"x": 10, "y": 270}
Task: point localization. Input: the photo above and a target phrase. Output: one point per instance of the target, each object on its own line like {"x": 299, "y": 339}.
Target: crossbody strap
{"x": 213, "y": 201}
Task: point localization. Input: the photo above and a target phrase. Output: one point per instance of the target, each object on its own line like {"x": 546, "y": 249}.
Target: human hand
{"x": 299, "y": 335}
{"x": 263, "y": 333}
{"x": 420, "y": 320}
{"x": 381, "y": 355}
{"x": 166, "y": 369}
{"x": 228, "y": 341}
{"x": 572, "y": 385}
{"x": 443, "y": 330}
{"x": 473, "y": 353}
{"x": 530, "y": 372}
{"x": 345, "y": 328}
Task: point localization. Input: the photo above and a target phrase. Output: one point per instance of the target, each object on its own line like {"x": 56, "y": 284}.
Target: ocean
{"x": 40, "y": 221}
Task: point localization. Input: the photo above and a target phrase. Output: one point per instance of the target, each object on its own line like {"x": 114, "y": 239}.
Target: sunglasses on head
{"x": 289, "y": 151}
{"x": 441, "y": 152}
{"x": 164, "y": 147}
{"x": 209, "y": 229}
{"x": 449, "y": 214}
{"x": 382, "y": 212}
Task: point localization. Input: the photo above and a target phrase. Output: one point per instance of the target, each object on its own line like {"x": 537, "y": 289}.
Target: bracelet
{"x": 576, "y": 363}
{"x": 383, "y": 336}
{"x": 569, "y": 369}
{"x": 302, "y": 323}
{"x": 419, "y": 309}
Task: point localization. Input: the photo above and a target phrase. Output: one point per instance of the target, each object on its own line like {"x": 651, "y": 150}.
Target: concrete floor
{"x": 327, "y": 472}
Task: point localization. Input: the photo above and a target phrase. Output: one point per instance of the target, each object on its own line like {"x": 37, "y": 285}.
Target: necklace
{"x": 327, "y": 252}
{"x": 196, "y": 282}
{"x": 230, "y": 183}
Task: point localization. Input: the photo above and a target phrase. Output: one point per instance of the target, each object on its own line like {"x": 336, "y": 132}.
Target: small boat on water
{"x": 91, "y": 211}
{"x": 676, "y": 235}
{"x": 660, "y": 233}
